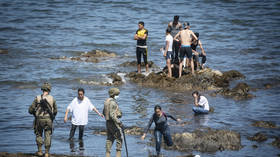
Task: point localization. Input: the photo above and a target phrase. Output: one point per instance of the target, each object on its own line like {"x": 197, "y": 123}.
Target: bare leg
{"x": 192, "y": 65}
{"x": 147, "y": 67}
{"x": 139, "y": 68}
{"x": 169, "y": 67}
{"x": 180, "y": 68}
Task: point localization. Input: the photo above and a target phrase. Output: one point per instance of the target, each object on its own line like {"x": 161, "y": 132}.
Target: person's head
{"x": 114, "y": 92}
{"x": 157, "y": 110}
{"x": 168, "y": 31}
{"x": 46, "y": 87}
{"x": 196, "y": 34}
{"x": 186, "y": 25}
{"x": 176, "y": 19}
{"x": 141, "y": 24}
{"x": 81, "y": 93}
{"x": 195, "y": 94}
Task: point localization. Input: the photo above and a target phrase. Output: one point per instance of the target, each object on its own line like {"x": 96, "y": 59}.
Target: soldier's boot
{"x": 40, "y": 152}
{"x": 118, "y": 154}
{"x": 47, "y": 153}
{"x": 108, "y": 154}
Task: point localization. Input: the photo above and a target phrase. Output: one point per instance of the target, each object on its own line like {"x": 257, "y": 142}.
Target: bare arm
{"x": 176, "y": 36}
{"x": 95, "y": 110}
{"x": 202, "y": 50}
{"x": 66, "y": 115}
{"x": 194, "y": 35}
{"x": 196, "y": 101}
{"x": 147, "y": 127}
{"x": 136, "y": 37}
{"x": 143, "y": 38}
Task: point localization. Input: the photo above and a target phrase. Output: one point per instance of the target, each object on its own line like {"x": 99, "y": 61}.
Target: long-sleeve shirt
{"x": 160, "y": 122}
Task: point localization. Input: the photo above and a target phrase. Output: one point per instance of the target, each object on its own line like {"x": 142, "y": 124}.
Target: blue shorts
{"x": 169, "y": 55}
{"x": 199, "y": 110}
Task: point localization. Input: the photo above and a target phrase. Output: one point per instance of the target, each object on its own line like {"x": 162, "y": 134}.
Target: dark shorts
{"x": 140, "y": 51}
{"x": 169, "y": 55}
{"x": 185, "y": 51}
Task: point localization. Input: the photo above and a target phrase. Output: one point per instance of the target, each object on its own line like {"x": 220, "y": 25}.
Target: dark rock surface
{"x": 264, "y": 124}
{"x": 5, "y": 154}
{"x": 259, "y": 137}
{"x": 2, "y": 51}
{"x": 134, "y": 63}
{"x": 276, "y": 142}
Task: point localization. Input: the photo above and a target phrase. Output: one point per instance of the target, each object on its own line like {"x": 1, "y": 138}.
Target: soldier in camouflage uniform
{"x": 112, "y": 114}
{"x": 43, "y": 118}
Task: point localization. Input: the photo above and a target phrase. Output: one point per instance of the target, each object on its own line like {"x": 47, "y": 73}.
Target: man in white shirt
{"x": 79, "y": 108}
{"x": 168, "y": 53}
{"x": 201, "y": 103}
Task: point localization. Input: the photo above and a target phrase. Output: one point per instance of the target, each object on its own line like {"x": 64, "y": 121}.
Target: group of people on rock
{"x": 44, "y": 109}
{"x": 180, "y": 48}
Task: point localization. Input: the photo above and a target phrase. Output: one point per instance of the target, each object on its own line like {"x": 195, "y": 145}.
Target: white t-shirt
{"x": 80, "y": 110}
{"x": 203, "y": 102}
{"x": 170, "y": 39}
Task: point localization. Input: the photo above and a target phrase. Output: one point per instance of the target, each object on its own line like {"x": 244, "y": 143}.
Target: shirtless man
{"x": 186, "y": 37}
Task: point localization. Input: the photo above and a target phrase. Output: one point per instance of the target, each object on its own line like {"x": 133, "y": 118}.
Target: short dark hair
{"x": 176, "y": 18}
{"x": 141, "y": 22}
{"x": 81, "y": 90}
{"x": 195, "y": 92}
{"x": 196, "y": 34}
{"x": 168, "y": 30}
{"x": 157, "y": 107}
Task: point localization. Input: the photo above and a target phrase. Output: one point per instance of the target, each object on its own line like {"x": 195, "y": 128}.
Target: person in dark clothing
{"x": 161, "y": 127}
{"x": 196, "y": 55}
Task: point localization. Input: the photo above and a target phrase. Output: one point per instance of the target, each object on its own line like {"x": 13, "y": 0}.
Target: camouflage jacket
{"x": 36, "y": 109}
{"x": 111, "y": 110}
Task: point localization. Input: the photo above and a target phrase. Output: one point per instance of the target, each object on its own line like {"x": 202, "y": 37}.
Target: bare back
{"x": 186, "y": 37}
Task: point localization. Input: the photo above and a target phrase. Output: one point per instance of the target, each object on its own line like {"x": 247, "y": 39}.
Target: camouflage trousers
{"x": 113, "y": 133}
{"x": 46, "y": 126}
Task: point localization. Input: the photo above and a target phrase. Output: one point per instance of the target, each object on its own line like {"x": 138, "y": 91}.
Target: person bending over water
{"x": 201, "y": 103}
{"x": 186, "y": 37}
{"x": 161, "y": 128}
{"x": 196, "y": 56}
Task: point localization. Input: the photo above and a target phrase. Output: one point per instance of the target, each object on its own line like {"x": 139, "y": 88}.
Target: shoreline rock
{"x": 5, "y": 154}
{"x": 91, "y": 56}
{"x": 2, "y": 51}
{"x": 276, "y": 142}
{"x": 134, "y": 64}
{"x": 259, "y": 137}
{"x": 264, "y": 124}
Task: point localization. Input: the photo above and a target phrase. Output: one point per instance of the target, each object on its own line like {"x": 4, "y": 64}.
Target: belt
{"x": 144, "y": 47}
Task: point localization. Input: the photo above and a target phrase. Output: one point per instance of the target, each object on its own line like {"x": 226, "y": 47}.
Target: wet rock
{"x": 117, "y": 80}
{"x": 91, "y": 56}
{"x": 254, "y": 146}
{"x": 239, "y": 92}
{"x": 209, "y": 140}
{"x": 233, "y": 75}
{"x": 134, "y": 63}
{"x": 211, "y": 110}
{"x": 267, "y": 86}
{"x": 276, "y": 142}
{"x": 264, "y": 124}
{"x": 2, "y": 51}
{"x": 259, "y": 137}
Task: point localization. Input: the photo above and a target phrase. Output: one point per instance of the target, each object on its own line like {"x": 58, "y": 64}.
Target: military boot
{"x": 39, "y": 153}
{"x": 108, "y": 154}
{"x": 118, "y": 154}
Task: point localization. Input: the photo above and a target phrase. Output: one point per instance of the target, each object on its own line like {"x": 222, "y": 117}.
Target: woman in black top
{"x": 160, "y": 119}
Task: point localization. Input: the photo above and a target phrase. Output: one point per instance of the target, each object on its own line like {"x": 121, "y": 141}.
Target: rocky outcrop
{"x": 134, "y": 64}
{"x": 259, "y": 137}
{"x": 117, "y": 80}
{"x": 208, "y": 140}
{"x": 2, "y": 51}
{"x": 264, "y": 124}
{"x": 276, "y": 142}
{"x": 206, "y": 79}
{"x": 91, "y": 56}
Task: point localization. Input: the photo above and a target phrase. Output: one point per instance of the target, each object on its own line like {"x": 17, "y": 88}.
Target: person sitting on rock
{"x": 196, "y": 55}
{"x": 162, "y": 128}
{"x": 201, "y": 103}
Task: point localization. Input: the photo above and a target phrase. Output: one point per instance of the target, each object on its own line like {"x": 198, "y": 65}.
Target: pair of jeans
{"x": 73, "y": 129}
{"x": 199, "y": 110}
{"x": 166, "y": 136}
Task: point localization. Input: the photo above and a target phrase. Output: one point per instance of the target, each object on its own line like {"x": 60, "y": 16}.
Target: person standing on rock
{"x": 112, "y": 114}
{"x": 196, "y": 56}
{"x": 201, "y": 103}
{"x": 175, "y": 26}
{"x": 168, "y": 53}
{"x": 161, "y": 129}
{"x": 186, "y": 37}
{"x": 44, "y": 109}
{"x": 80, "y": 106}
{"x": 141, "y": 47}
